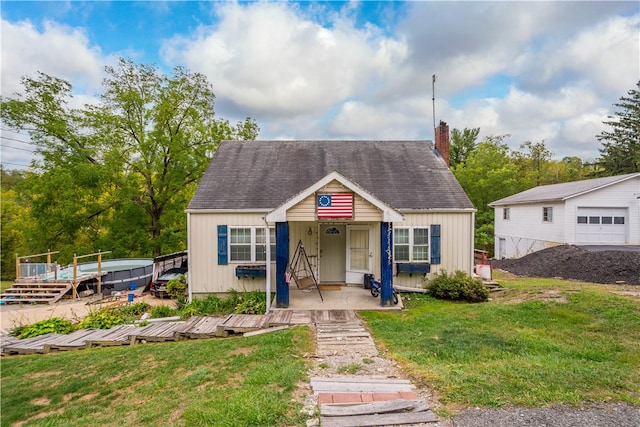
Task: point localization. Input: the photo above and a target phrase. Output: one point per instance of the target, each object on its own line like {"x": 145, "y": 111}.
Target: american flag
{"x": 339, "y": 205}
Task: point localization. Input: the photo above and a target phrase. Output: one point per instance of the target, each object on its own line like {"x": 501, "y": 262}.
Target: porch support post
{"x": 282, "y": 259}
{"x": 386, "y": 264}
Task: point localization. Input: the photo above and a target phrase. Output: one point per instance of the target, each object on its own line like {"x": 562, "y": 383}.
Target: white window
{"x": 547, "y": 214}
{"x": 506, "y": 213}
{"x": 248, "y": 244}
{"x": 411, "y": 244}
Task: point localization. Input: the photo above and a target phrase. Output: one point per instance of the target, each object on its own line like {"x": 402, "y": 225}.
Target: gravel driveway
{"x": 609, "y": 415}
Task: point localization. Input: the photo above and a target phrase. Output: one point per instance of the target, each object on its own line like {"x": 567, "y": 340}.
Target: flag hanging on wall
{"x": 338, "y": 205}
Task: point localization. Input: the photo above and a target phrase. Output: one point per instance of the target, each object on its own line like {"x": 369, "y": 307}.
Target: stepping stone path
{"x": 359, "y": 399}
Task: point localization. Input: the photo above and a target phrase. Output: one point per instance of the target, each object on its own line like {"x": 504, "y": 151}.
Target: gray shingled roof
{"x": 265, "y": 174}
{"x": 560, "y": 192}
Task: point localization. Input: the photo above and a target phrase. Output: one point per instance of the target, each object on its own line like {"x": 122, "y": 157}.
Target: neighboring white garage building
{"x": 602, "y": 211}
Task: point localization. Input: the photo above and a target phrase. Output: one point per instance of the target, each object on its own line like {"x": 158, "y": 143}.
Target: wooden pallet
{"x": 31, "y": 345}
{"x": 118, "y": 335}
{"x": 369, "y": 402}
{"x": 344, "y": 337}
{"x": 74, "y": 341}
{"x": 240, "y": 323}
{"x": 202, "y": 327}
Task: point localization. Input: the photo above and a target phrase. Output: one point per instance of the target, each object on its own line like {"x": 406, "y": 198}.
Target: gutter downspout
{"x": 268, "y": 259}
{"x": 189, "y": 251}
{"x": 473, "y": 242}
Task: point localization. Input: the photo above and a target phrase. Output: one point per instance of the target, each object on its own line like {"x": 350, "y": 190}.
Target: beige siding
{"x": 456, "y": 231}
{"x": 306, "y": 209}
{"x": 205, "y": 275}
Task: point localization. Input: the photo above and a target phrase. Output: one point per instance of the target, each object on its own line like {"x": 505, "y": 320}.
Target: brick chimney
{"x": 442, "y": 141}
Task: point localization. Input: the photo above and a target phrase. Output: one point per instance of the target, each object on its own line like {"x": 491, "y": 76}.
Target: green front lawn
{"x": 542, "y": 342}
{"x": 222, "y": 382}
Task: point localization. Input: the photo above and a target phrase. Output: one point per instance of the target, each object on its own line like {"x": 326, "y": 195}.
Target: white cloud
{"x": 272, "y": 60}
{"x": 309, "y": 71}
{"x": 57, "y": 50}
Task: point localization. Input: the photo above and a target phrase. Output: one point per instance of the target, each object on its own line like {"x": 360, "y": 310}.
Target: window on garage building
{"x": 594, "y": 220}
{"x": 506, "y": 213}
{"x": 547, "y": 214}
{"x": 618, "y": 220}
{"x": 607, "y": 220}
{"x": 582, "y": 220}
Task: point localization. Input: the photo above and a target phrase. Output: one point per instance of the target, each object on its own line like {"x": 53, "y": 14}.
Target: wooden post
{"x": 99, "y": 271}
{"x": 17, "y": 267}
{"x": 282, "y": 259}
{"x": 386, "y": 264}
{"x": 75, "y": 272}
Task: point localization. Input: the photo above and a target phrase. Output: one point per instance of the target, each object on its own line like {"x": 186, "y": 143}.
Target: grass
{"x": 224, "y": 382}
{"x": 5, "y": 284}
{"x": 543, "y": 342}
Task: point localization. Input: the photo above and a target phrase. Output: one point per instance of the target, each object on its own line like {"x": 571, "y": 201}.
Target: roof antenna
{"x": 433, "y": 99}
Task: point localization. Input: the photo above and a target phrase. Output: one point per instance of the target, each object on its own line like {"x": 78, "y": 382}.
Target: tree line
{"x": 117, "y": 174}
{"x": 489, "y": 170}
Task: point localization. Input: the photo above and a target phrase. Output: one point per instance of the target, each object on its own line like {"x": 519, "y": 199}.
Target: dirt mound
{"x": 571, "y": 262}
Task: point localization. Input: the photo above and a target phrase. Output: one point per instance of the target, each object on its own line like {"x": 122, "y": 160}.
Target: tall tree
{"x": 120, "y": 171}
{"x": 534, "y": 163}
{"x": 462, "y": 144}
{"x": 487, "y": 175}
{"x": 620, "y": 152}
{"x": 11, "y": 222}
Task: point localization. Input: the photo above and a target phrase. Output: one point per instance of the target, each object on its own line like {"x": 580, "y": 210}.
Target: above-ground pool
{"x": 121, "y": 274}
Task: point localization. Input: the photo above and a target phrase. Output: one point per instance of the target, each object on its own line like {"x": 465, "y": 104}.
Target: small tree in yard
{"x": 176, "y": 288}
{"x": 458, "y": 286}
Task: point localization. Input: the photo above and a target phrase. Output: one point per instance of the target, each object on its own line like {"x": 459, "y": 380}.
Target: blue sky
{"x": 538, "y": 71}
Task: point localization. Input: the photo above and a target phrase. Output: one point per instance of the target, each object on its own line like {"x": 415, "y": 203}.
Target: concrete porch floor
{"x": 336, "y": 297}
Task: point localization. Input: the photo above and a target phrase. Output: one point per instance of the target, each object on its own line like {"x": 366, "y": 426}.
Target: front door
{"x": 358, "y": 253}
{"x": 333, "y": 243}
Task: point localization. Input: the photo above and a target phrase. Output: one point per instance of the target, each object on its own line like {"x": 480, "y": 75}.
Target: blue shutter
{"x": 223, "y": 256}
{"x": 435, "y": 243}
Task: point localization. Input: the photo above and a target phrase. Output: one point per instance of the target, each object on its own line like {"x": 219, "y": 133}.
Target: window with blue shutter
{"x": 435, "y": 243}
{"x": 223, "y": 255}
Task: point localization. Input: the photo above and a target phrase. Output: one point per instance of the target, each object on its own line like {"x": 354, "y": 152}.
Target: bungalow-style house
{"x": 602, "y": 211}
{"x": 388, "y": 208}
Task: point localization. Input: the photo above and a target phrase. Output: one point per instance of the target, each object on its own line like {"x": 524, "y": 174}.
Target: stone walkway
{"x": 353, "y": 385}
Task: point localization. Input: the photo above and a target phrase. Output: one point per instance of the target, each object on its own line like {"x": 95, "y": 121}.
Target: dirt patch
{"x": 242, "y": 350}
{"x": 88, "y": 397}
{"x": 545, "y": 296}
{"x": 41, "y": 401}
{"x": 573, "y": 263}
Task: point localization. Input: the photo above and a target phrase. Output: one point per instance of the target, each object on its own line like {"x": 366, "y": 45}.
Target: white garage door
{"x": 601, "y": 226}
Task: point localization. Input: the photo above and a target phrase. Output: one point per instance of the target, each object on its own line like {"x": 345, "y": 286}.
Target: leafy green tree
{"x": 533, "y": 163}
{"x": 620, "y": 152}
{"x": 117, "y": 175}
{"x": 462, "y": 144}
{"x": 568, "y": 169}
{"x": 12, "y": 222}
{"x": 488, "y": 175}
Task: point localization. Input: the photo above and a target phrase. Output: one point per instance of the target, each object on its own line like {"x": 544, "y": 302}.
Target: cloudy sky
{"x": 352, "y": 70}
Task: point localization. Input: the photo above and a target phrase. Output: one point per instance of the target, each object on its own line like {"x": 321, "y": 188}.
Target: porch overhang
{"x": 279, "y": 214}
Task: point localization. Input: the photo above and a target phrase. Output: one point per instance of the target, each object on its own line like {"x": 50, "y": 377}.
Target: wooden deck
{"x": 35, "y": 292}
